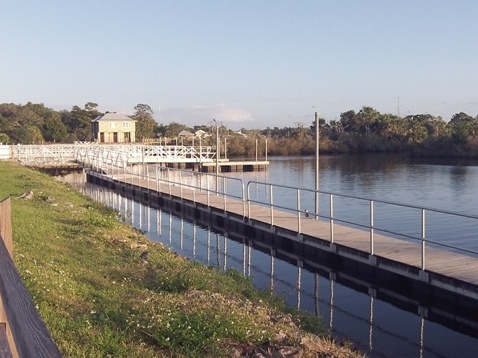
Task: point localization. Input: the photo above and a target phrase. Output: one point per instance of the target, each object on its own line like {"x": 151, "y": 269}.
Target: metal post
{"x": 256, "y": 150}
{"x": 225, "y": 147}
{"x": 217, "y": 158}
{"x": 317, "y": 165}
{"x": 371, "y": 227}
{"x": 272, "y": 205}
{"x": 298, "y": 211}
{"x": 180, "y": 185}
{"x": 266, "y": 150}
{"x": 200, "y": 154}
{"x": 331, "y": 218}
{"x": 423, "y": 239}
{"x": 224, "y": 191}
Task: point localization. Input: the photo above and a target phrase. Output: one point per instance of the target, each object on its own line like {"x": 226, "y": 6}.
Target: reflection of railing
{"x": 363, "y": 316}
{"x": 21, "y": 327}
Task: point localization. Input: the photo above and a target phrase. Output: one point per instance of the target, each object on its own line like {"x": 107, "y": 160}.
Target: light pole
{"x": 217, "y": 157}
{"x": 266, "y": 149}
{"x": 317, "y": 132}
{"x": 256, "y": 150}
{"x": 225, "y": 147}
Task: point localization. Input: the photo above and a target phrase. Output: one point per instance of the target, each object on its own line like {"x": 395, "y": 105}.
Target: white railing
{"x": 103, "y": 159}
{"x": 136, "y": 153}
{"x": 44, "y": 154}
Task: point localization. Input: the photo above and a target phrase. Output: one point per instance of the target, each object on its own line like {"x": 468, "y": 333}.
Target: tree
{"x": 91, "y": 106}
{"x": 463, "y": 126}
{"x": 54, "y": 129}
{"x": 146, "y": 127}
{"x": 4, "y": 138}
{"x": 78, "y": 121}
{"x": 26, "y": 135}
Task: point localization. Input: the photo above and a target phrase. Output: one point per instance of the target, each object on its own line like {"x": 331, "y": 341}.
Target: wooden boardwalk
{"x": 457, "y": 273}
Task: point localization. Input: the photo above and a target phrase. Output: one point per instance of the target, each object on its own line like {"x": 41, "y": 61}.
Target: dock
{"x": 226, "y": 166}
{"x": 435, "y": 275}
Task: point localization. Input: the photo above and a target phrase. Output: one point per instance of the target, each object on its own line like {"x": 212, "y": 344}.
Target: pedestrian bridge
{"x": 117, "y": 154}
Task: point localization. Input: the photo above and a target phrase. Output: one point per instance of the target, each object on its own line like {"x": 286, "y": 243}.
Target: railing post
{"x": 243, "y": 200}
{"x": 272, "y": 205}
{"x": 207, "y": 189}
{"x": 169, "y": 181}
{"x": 157, "y": 180}
{"x": 248, "y": 201}
{"x": 423, "y": 239}
{"x": 180, "y": 184}
{"x": 331, "y": 218}
{"x": 371, "y": 227}
{"x": 224, "y": 191}
{"x": 298, "y": 211}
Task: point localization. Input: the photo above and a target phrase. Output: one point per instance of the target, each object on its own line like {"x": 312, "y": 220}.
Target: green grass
{"x": 98, "y": 299}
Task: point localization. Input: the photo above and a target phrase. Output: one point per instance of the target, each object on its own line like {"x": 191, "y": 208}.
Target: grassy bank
{"x": 100, "y": 297}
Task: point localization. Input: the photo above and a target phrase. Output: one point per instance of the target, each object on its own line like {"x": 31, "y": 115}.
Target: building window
{"x": 126, "y": 125}
{"x": 112, "y": 124}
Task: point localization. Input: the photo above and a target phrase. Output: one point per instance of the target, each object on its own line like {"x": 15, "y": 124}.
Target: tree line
{"x": 366, "y": 130}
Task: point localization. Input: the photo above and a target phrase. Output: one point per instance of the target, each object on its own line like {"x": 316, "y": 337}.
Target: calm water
{"x": 378, "y": 327}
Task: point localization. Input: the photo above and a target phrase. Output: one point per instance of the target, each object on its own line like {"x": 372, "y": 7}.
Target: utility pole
{"x": 317, "y": 134}
{"x": 217, "y": 157}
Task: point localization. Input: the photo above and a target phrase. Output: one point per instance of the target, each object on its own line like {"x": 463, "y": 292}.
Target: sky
{"x": 247, "y": 63}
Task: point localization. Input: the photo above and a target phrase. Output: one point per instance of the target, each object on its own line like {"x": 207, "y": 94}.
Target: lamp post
{"x": 225, "y": 147}
{"x": 256, "y": 150}
{"x": 317, "y": 132}
{"x": 217, "y": 157}
{"x": 266, "y": 149}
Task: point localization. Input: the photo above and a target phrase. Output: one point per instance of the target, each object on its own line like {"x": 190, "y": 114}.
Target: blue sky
{"x": 247, "y": 63}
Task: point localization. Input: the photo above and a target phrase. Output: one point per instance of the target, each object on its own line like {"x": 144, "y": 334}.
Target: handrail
{"x": 225, "y": 194}
{"x": 367, "y": 217}
{"x": 274, "y": 191}
{"x": 136, "y": 152}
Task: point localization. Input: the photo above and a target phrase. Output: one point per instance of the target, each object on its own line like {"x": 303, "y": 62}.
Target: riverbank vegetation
{"x": 105, "y": 290}
{"x": 366, "y": 130}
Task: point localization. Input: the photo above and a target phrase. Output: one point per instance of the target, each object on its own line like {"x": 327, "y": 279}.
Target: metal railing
{"x": 422, "y": 225}
{"x": 412, "y": 223}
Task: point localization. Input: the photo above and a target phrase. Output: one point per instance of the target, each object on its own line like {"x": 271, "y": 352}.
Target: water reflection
{"x": 380, "y": 322}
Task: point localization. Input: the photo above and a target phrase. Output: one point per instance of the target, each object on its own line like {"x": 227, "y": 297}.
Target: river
{"x": 379, "y": 327}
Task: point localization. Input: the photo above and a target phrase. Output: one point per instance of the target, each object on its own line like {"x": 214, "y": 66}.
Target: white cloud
{"x": 200, "y": 115}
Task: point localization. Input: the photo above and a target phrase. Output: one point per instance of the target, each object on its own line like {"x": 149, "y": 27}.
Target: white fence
{"x": 5, "y": 153}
